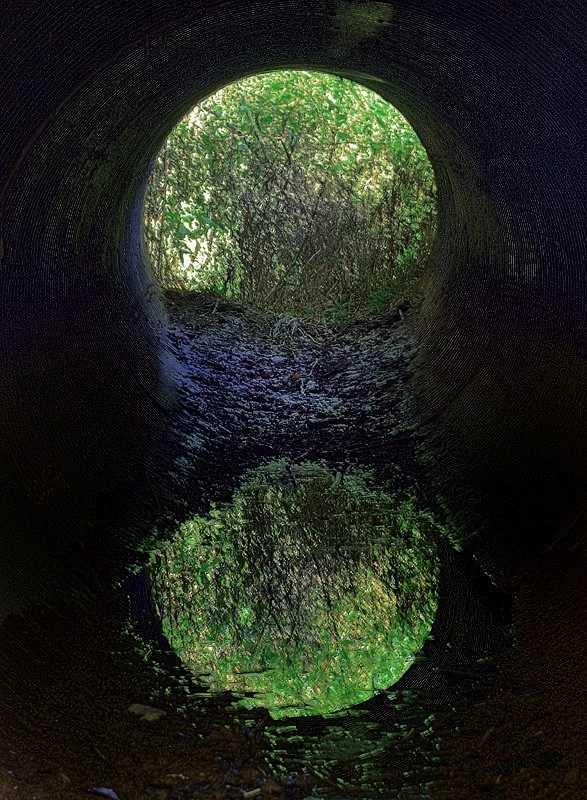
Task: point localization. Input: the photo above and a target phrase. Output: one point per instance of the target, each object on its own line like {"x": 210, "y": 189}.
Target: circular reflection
{"x": 305, "y": 594}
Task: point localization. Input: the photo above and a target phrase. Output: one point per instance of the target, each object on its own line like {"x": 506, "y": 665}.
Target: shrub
{"x": 295, "y": 192}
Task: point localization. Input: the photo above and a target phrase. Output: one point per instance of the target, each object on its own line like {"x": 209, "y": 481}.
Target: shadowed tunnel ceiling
{"x": 90, "y": 90}
{"x": 493, "y": 90}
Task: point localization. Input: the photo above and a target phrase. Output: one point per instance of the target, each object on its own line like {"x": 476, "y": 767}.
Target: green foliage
{"x": 292, "y": 191}
{"x": 306, "y": 593}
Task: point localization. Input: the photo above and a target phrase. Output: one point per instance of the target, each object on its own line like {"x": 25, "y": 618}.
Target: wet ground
{"x": 479, "y": 715}
{"x": 253, "y": 388}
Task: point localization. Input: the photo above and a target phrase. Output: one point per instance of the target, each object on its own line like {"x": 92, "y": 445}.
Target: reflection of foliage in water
{"x": 310, "y": 589}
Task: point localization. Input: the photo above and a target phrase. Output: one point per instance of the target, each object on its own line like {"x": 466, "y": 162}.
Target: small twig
{"x": 324, "y": 778}
{"x": 308, "y": 335}
{"x": 99, "y": 752}
{"x": 486, "y": 736}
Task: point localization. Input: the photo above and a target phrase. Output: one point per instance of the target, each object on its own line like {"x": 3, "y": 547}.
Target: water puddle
{"x": 307, "y": 594}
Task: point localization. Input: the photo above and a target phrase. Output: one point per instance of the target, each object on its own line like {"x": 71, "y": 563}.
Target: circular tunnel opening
{"x": 296, "y": 192}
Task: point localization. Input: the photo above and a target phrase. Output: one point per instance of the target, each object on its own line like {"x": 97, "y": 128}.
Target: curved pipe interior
{"x": 500, "y": 375}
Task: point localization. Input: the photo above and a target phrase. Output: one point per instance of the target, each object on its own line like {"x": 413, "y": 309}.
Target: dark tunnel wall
{"x": 494, "y": 90}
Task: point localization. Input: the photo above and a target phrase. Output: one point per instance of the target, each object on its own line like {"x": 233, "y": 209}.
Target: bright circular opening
{"x": 297, "y": 192}
{"x": 306, "y": 594}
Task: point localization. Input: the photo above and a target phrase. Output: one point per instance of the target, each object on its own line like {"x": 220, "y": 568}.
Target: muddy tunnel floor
{"x": 494, "y": 707}
{"x": 289, "y": 388}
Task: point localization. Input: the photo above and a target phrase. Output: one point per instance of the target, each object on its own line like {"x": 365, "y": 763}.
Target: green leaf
{"x": 182, "y": 231}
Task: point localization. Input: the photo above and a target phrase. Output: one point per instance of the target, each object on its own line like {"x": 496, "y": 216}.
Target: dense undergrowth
{"x": 296, "y": 192}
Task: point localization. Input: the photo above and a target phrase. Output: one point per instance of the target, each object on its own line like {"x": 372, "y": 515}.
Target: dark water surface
{"x": 308, "y": 593}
